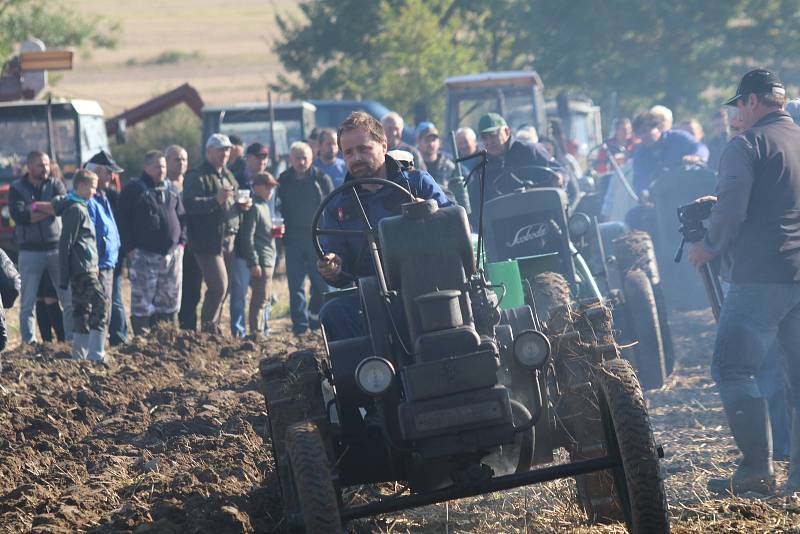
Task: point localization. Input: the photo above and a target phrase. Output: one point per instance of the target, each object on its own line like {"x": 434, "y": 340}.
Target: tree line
{"x": 626, "y": 54}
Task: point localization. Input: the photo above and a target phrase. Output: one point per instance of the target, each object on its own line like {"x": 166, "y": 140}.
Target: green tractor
{"x": 539, "y": 244}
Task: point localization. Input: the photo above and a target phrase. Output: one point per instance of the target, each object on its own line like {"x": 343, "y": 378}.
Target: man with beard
{"x": 37, "y": 232}
{"x": 327, "y": 160}
{"x": 364, "y": 145}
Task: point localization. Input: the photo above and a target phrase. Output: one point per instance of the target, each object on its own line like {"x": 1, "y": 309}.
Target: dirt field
{"x": 170, "y": 437}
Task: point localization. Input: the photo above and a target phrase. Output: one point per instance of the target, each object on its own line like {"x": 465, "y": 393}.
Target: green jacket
{"x": 256, "y": 244}
{"x": 77, "y": 247}
{"x": 208, "y": 222}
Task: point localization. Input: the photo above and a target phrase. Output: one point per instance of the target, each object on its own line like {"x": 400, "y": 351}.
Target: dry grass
{"x": 232, "y": 42}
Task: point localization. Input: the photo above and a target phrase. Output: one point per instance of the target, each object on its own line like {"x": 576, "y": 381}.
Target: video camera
{"x": 691, "y": 217}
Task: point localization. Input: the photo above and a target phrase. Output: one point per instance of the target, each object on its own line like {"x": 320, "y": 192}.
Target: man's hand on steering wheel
{"x": 330, "y": 267}
{"x": 329, "y": 264}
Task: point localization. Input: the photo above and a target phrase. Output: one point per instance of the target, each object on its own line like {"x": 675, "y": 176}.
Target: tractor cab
{"x": 516, "y": 95}
{"x": 72, "y": 131}
{"x": 276, "y": 126}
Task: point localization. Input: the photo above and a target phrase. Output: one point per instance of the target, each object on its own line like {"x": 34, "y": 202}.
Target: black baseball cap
{"x": 104, "y": 158}
{"x": 257, "y": 149}
{"x": 758, "y": 81}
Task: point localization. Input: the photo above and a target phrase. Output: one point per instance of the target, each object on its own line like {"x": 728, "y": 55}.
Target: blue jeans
{"x": 301, "y": 261}
{"x": 238, "y": 284}
{"x": 341, "y": 318}
{"x": 771, "y": 380}
{"x": 753, "y": 316}
{"x": 32, "y": 264}
{"x": 118, "y": 325}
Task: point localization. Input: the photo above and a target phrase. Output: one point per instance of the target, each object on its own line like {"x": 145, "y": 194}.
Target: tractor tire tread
{"x": 313, "y": 482}
{"x": 637, "y": 447}
{"x": 649, "y": 351}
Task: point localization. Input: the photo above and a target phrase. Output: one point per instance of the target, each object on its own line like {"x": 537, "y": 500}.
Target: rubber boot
{"x": 97, "y": 345}
{"x": 80, "y": 345}
{"x": 43, "y": 322}
{"x": 56, "y": 319}
{"x": 793, "y": 482}
{"x": 139, "y": 324}
{"x": 749, "y": 422}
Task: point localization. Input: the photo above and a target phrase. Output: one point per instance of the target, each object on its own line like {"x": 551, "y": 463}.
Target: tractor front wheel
{"x": 314, "y": 490}
{"x": 638, "y": 487}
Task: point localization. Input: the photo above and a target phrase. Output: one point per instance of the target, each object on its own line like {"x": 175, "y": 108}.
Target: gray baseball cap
{"x": 218, "y": 140}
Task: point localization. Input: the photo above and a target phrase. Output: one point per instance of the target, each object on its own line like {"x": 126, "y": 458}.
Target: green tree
{"x": 395, "y": 51}
{"x": 681, "y": 53}
{"x": 54, "y": 23}
{"x": 417, "y": 52}
{"x": 178, "y": 125}
{"x": 313, "y": 45}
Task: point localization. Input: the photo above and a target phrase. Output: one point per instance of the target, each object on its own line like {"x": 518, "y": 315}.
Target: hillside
{"x": 224, "y": 50}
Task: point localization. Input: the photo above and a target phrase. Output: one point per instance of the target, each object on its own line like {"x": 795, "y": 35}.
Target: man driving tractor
{"x": 505, "y": 155}
{"x": 362, "y": 141}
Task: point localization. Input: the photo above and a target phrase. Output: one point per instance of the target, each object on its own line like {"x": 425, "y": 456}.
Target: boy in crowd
{"x": 257, "y": 249}
{"x": 77, "y": 252}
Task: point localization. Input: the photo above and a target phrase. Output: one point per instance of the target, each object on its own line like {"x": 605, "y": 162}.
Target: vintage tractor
{"x": 535, "y": 236}
{"x": 441, "y": 381}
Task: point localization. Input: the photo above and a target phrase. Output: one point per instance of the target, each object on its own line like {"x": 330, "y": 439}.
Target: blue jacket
{"x": 667, "y": 153}
{"x": 336, "y": 170}
{"x": 343, "y": 214}
{"x": 108, "y": 241}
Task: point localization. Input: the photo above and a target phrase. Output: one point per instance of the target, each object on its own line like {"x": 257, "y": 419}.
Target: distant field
{"x": 227, "y": 51}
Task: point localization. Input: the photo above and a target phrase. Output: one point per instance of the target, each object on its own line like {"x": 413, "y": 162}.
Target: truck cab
{"x": 293, "y": 122}
{"x": 516, "y": 95}
{"x": 585, "y": 127}
{"x": 72, "y": 131}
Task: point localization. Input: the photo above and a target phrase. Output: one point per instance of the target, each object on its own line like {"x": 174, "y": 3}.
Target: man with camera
{"x": 754, "y": 228}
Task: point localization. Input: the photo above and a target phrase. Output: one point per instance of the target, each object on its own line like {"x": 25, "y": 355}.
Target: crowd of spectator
{"x": 176, "y": 229}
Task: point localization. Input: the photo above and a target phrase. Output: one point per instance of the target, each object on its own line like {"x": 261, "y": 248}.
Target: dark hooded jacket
{"x": 77, "y": 248}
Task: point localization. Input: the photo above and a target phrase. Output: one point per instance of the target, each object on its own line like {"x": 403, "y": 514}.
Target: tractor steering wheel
{"x": 368, "y": 232}
{"x": 525, "y": 176}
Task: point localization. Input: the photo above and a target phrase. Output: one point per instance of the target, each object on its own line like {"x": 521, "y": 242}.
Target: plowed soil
{"x": 171, "y": 436}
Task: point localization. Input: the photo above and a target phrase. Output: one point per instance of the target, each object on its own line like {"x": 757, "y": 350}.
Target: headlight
{"x": 374, "y": 375}
{"x": 531, "y": 349}
{"x": 579, "y": 224}
{"x": 5, "y": 212}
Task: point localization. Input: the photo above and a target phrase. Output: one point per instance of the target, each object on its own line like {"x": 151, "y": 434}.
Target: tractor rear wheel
{"x": 638, "y": 485}
{"x": 635, "y": 250}
{"x": 642, "y": 314}
{"x": 314, "y": 491}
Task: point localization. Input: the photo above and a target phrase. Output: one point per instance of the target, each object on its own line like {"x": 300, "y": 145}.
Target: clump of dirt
{"x": 167, "y": 436}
